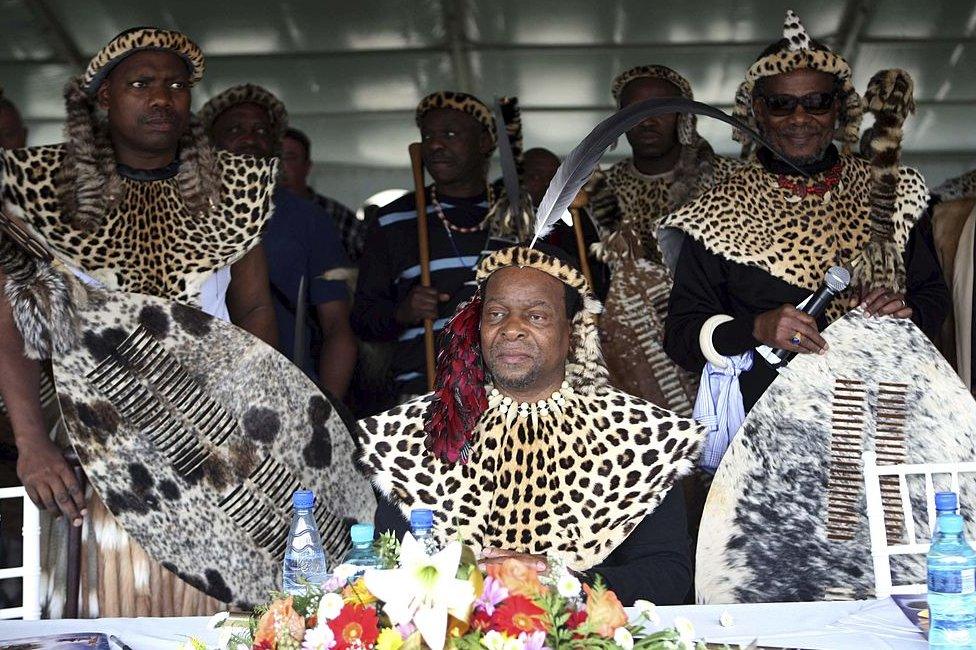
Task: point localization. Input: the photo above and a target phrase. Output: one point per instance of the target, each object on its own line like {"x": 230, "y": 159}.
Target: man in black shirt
{"x": 526, "y": 452}
{"x": 750, "y": 249}
{"x": 457, "y": 134}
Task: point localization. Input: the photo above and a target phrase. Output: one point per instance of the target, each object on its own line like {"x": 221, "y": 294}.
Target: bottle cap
{"x": 946, "y": 501}
{"x": 421, "y": 518}
{"x": 303, "y": 499}
{"x": 361, "y": 533}
{"x": 950, "y": 524}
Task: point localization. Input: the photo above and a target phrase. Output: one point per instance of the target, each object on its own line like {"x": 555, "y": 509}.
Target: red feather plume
{"x": 459, "y": 386}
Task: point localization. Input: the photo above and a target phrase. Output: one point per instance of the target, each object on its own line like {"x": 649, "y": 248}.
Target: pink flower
{"x": 406, "y": 629}
{"x": 493, "y": 593}
{"x": 533, "y": 641}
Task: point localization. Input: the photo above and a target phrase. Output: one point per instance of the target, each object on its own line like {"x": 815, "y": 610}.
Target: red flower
{"x": 480, "y": 621}
{"x": 263, "y": 645}
{"x": 518, "y": 614}
{"x": 355, "y": 626}
{"x": 576, "y": 619}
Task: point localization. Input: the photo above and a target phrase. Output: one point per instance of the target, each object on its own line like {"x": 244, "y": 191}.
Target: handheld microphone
{"x": 836, "y": 281}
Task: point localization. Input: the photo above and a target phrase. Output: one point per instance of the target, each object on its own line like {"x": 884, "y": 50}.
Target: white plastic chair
{"x": 880, "y": 550}
{"x": 30, "y": 571}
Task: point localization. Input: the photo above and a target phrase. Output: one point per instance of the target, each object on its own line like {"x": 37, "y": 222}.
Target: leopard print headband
{"x": 139, "y": 39}
{"x": 795, "y": 51}
{"x": 248, "y": 94}
{"x": 458, "y": 101}
{"x": 687, "y": 122}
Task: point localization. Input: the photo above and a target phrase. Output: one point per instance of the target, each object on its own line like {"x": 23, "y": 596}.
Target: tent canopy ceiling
{"x": 351, "y": 73}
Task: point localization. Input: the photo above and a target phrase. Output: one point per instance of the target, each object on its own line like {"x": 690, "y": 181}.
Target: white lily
{"x": 423, "y": 590}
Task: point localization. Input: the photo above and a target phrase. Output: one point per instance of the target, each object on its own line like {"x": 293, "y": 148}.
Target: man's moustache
{"x": 168, "y": 118}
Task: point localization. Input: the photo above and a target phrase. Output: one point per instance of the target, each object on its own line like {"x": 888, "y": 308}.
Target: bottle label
{"x": 959, "y": 581}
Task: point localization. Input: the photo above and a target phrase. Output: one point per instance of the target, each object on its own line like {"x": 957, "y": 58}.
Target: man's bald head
{"x": 539, "y": 167}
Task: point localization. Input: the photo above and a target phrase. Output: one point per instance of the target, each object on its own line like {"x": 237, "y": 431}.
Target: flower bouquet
{"x": 445, "y": 601}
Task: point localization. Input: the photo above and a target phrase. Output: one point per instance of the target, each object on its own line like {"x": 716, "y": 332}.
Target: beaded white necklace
{"x": 526, "y": 410}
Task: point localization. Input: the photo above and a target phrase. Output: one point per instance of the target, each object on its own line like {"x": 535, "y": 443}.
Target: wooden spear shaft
{"x": 423, "y": 241}
{"x": 576, "y": 210}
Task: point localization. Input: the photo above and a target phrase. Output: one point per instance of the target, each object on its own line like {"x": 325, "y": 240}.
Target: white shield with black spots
{"x": 195, "y": 434}
{"x": 786, "y": 518}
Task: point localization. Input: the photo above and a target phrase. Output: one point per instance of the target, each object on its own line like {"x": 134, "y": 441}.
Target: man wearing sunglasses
{"x": 747, "y": 251}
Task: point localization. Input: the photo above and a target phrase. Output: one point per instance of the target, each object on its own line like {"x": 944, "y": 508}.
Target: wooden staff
{"x": 420, "y": 199}
{"x": 582, "y": 198}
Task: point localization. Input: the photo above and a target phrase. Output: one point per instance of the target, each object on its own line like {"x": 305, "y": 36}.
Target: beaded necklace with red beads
{"x": 800, "y": 189}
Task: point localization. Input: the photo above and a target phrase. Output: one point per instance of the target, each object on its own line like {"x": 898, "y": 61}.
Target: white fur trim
{"x": 705, "y": 340}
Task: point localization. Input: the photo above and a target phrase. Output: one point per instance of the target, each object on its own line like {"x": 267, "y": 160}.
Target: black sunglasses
{"x": 813, "y": 103}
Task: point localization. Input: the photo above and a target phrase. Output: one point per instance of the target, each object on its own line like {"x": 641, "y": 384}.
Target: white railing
{"x": 30, "y": 571}
{"x": 881, "y": 552}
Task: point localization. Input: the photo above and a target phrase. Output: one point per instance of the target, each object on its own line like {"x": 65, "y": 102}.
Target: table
{"x": 865, "y": 625}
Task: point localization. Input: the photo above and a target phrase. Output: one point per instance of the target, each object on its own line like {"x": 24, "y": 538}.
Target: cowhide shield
{"x": 786, "y": 518}
{"x": 195, "y": 434}
{"x": 632, "y": 337}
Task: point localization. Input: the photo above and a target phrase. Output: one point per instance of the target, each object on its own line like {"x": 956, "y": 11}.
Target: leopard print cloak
{"x": 571, "y": 476}
{"x": 150, "y": 243}
{"x": 751, "y": 220}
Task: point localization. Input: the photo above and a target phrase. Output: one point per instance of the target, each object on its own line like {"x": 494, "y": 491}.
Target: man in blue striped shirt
{"x": 457, "y": 135}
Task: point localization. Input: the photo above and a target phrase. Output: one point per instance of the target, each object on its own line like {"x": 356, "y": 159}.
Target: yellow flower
{"x": 358, "y": 594}
{"x": 389, "y": 639}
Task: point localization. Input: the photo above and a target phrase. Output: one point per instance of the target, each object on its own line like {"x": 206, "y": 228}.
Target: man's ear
{"x": 102, "y": 95}
{"x": 759, "y": 109}
{"x": 485, "y": 144}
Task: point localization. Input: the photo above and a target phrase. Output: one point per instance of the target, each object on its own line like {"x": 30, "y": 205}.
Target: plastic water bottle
{"x": 946, "y": 503}
{"x": 362, "y": 554}
{"x": 422, "y": 529}
{"x": 952, "y": 585}
{"x": 305, "y": 558}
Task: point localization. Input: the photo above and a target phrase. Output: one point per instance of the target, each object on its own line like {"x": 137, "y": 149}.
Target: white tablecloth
{"x": 865, "y": 625}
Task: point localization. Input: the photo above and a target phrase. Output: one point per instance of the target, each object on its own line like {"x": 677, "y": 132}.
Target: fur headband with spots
{"x": 795, "y": 51}
{"x": 140, "y": 39}
{"x": 248, "y": 94}
{"x": 687, "y": 122}
{"x": 460, "y": 394}
{"x": 458, "y": 101}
